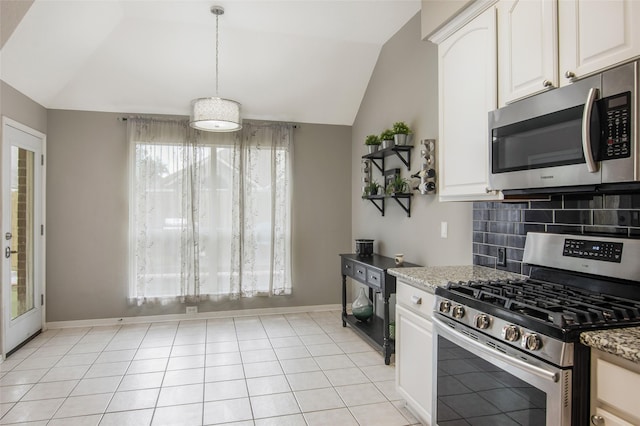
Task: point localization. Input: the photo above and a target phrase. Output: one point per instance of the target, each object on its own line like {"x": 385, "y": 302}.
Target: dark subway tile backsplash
{"x": 623, "y": 202}
{"x": 583, "y": 202}
{"x": 540, "y": 216}
{"x": 617, "y": 217}
{"x": 505, "y": 224}
{"x": 581, "y": 217}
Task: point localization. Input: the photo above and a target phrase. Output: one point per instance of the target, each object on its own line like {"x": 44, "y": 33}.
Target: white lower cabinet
{"x": 614, "y": 390}
{"x": 414, "y": 349}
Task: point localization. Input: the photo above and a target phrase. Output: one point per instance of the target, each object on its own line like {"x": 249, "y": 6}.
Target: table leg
{"x": 344, "y": 300}
{"x": 386, "y": 346}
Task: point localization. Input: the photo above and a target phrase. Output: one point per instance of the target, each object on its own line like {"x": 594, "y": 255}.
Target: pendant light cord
{"x": 217, "y": 44}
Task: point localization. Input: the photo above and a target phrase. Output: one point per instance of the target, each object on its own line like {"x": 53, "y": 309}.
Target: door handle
{"x": 443, "y": 329}
{"x": 592, "y": 166}
{"x": 8, "y": 252}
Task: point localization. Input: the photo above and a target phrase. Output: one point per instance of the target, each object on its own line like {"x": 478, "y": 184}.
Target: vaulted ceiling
{"x": 292, "y": 60}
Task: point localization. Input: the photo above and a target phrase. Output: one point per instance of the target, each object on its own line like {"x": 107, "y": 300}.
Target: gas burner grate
{"x": 557, "y": 304}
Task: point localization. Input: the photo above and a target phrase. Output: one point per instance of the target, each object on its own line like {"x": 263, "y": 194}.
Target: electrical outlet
{"x": 502, "y": 256}
{"x": 192, "y": 310}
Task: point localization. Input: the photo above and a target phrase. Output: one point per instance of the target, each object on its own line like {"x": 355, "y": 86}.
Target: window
{"x": 210, "y": 213}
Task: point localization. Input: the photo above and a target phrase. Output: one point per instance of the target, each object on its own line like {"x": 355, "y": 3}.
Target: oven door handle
{"x": 592, "y": 166}
{"x": 537, "y": 371}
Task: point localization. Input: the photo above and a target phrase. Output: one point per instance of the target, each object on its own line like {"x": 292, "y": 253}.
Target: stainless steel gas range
{"x": 508, "y": 352}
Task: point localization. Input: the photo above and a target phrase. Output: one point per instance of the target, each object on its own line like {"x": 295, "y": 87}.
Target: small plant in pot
{"x": 372, "y": 142}
{"x": 398, "y": 186}
{"x": 401, "y": 133}
{"x": 373, "y": 188}
{"x": 387, "y": 138}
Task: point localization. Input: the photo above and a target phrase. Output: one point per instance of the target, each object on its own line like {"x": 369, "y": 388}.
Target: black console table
{"x": 372, "y": 272}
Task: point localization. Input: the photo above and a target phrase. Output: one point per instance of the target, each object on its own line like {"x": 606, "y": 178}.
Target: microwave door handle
{"x": 586, "y": 130}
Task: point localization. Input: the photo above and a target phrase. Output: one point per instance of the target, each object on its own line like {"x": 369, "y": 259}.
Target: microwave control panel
{"x": 616, "y": 141}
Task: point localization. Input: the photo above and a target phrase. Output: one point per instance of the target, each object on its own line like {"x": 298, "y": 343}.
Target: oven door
{"x": 478, "y": 385}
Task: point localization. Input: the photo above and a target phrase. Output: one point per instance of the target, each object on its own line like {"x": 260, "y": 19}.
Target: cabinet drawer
{"x": 359, "y": 273}
{"x": 415, "y": 299}
{"x": 347, "y": 267}
{"x": 374, "y": 278}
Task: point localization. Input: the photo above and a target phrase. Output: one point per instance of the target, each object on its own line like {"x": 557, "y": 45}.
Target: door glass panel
{"x": 22, "y": 254}
{"x": 546, "y": 141}
{"x": 471, "y": 390}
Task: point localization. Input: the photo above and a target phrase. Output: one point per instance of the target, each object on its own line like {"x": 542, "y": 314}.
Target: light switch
{"x": 444, "y": 229}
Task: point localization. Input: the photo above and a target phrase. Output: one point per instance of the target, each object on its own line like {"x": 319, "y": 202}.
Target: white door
{"x": 22, "y": 233}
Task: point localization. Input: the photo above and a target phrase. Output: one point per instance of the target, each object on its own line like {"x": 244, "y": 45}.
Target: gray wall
{"x": 404, "y": 87}
{"x": 88, "y": 219}
{"x": 11, "y": 13}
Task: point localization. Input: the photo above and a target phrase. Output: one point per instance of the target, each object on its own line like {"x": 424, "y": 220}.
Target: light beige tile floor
{"x": 294, "y": 369}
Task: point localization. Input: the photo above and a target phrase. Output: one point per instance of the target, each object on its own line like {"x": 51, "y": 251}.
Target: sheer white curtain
{"x": 200, "y": 223}
{"x": 261, "y": 217}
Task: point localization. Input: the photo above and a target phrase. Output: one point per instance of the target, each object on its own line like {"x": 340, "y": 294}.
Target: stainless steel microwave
{"x": 582, "y": 134}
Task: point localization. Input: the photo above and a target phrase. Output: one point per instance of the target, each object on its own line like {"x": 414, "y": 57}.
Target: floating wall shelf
{"x": 402, "y": 151}
{"x": 404, "y": 200}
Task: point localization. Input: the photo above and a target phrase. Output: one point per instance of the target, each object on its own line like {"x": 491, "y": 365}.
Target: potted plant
{"x": 401, "y": 133}
{"x": 374, "y": 187}
{"x": 387, "y": 138}
{"x": 399, "y": 185}
{"x": 373, "y": 142}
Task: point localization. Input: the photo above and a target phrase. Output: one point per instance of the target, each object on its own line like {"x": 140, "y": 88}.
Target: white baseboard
{"x": 183, "y": 317}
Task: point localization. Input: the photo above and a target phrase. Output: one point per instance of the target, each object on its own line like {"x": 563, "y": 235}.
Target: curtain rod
{"x": 295, "y": 126}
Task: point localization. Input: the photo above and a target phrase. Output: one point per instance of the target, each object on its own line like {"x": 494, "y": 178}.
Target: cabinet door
{"x": 414, "y": 361}
{"x": 608, "y": 419}
{"x": 615, "y": 386}
{"x": 467, "y": 92}
{"x": 527, "y": 48}
{"x": 597, "y": 34}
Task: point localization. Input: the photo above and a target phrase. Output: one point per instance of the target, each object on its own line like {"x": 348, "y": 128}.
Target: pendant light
{"x": 215, "y": 114}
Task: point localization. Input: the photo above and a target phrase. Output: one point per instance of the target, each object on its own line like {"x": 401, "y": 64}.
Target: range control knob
{"x": 458, "y": 312}
{"x": 510, "y": 333}
{"x": 445, "y": 306}
{"x": 531, "y": 341}
{"x": 482, "y": 321}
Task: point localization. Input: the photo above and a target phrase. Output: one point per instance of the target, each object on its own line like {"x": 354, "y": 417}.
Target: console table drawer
{"x": 360, "y": 273}
{"x": 374, "y": 278}
{"x": 347, "y": 268}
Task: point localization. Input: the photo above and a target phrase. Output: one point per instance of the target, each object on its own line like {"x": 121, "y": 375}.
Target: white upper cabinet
{"x": 596, "y": 34}
{"x": 467, "y": 92}
{"x": 544, "y": 44}
{"x": 527, "y": 48}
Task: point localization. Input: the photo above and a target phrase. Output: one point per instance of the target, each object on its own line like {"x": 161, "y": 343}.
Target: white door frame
{"x": 41, "y": 273}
